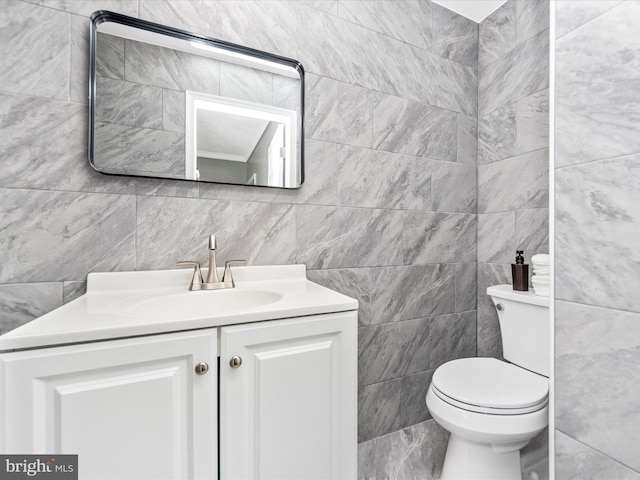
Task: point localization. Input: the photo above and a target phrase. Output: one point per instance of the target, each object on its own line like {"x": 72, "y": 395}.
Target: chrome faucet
{"x": 213, "y": 281}
{"x": 212, "y": 276}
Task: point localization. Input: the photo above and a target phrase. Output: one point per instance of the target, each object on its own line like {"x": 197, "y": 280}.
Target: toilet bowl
{"x": 493, "y": 408}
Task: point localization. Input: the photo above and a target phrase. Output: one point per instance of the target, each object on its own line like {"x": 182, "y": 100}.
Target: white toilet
{"x": 494, "y": 408}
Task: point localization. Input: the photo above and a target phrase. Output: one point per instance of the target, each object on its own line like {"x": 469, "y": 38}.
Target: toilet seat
{"x": 490, "y": 386}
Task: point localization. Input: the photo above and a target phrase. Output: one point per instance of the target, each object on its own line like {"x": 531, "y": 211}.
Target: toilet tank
{"x": 525, "y": 324}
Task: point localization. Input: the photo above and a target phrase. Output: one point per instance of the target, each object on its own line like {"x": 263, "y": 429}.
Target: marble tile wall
{"x": 513, "y": 149}
{"x": 597, "y": 224}
{"x": 416, "y": 452}
{"x": 387, "y": 213}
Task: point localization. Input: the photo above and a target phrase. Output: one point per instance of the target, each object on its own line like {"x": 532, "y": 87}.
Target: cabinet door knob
{"x": 500, "y": 306}
{"x": 202, "y": 368}
{"x": 235, "y": 361}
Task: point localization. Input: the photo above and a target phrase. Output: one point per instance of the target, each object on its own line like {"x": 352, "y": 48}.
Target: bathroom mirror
{"x": 167, "y": 103}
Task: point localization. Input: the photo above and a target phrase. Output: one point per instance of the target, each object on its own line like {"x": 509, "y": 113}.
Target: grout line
{"x": 607, "y": 159}
{"x": 515, "y": 156}
{"x": 590, "y": 305}
{"x": 586, "y": 445}
{"x": 578, "y": 27}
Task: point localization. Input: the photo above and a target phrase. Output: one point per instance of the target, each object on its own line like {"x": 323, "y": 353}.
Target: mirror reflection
{"x": 169, "y": 104}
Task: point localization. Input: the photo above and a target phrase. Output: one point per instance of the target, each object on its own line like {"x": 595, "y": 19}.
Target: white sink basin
{"x": 189, "y": 305}
{"x": 126, "y": 304}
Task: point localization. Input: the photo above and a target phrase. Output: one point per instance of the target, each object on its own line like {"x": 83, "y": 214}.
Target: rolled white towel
{"x": 541, "y": 274}
{"x": 540, "y": 259}
{"x": 542, "y": 271}
{"x": 541, "y": 265}
{"x": 540, "y": 282}
{"x": 542, "y": 292}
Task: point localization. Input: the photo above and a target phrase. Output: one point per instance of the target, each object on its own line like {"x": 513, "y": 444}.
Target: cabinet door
{"x": 289, "y": 411}
{"x": 130, "y": 409}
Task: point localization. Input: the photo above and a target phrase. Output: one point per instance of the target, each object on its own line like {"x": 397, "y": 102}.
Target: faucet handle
{"x": 228, "y": 277}
{"x": 196, "y": 281}
{"x": 212, "y": 242}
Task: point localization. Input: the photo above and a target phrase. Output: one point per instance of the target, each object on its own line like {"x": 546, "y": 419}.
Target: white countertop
{"x": 114, "y": 305}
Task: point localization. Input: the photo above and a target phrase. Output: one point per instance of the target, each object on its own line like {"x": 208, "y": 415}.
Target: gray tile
{"x": 79, "y": 60}
{"x": 453, "y": 187}
{"x": 418, "y": 194}
{"x": 348, "y": 237}
{"x": 532, "y": 122}
{"x": 413, "y": 128}
{"x": 128, "y": 103}
{"x": 440, "y": 82}
{"x": 489, "y": 338}
{"x": 176, "y": 70}
{"x": 173, "y": 229}
{"x": 414, "y": 409}
{"x": 597, "y": 372}
{"x": 286, "y": 92}
{"x": 576, "y": 461}
{"x": 571, "y": 15}
{"x": 30, "y": 65}
{"x": 244, "y": 83}
{"x": 532, "y": 231}
{"x": 87, "y": 7}
{"x": 466, "y": 286}
{"x": 497, "y": 133}
{"x": 467, "y": 140}
{"x": 596, "y": 107}
{"x": 523, "y": 71}
{"x": 337, "y": 112}
{"x": 80, "y": 233}
{"x": 409, "y": 21}
{"x": 497, "y": 33}
{"x": 454, "y": 37}
{"x": 319, "y": 185}
{"x": 109, "y": 53}
{"x": 516, "y": 128}
{"x": 22, "y": 302}
{"x": 370, "y": 178}
{"x": 354, "y": 282}
{"x": 392, "y": 350}
{"x": 497, "y": 237}
{"x": 597, "y": 216}
{"x": 412, "y": 291}
{"x": 532, "y": 17}
{"x": 439, "y": 237}
{"x": 40, "y": 137}
{"x": 514, "y": 183}
{"x": 409, "y": 454}
{"x": 328, "y": 6}
{"x": 339, "y": 49}
{"x": 173, "y": 110}
{"x": 73, "y": 290}
{"x": 260, "y": 24}
{"x": 450, "y": 337}
{"x": 379, "y": 409}
{"x": 138, "y": 151}
{"x": 376, "y": 179}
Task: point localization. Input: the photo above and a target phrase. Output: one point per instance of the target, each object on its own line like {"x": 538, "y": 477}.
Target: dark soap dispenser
{"x": 520, "y": 273}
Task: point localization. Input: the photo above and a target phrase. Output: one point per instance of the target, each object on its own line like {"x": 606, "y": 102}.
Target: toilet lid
{"x": 490, "y": 383}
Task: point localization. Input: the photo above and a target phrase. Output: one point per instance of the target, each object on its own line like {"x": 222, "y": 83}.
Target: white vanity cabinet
{"x": 137, "y": 409}
{"x": 130, "y": 409}
{"x": 115, "y": 377}
{"x": 288, "y": 410}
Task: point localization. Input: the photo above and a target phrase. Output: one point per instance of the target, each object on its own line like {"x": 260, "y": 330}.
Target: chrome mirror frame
{"x": 102, "y": 16}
